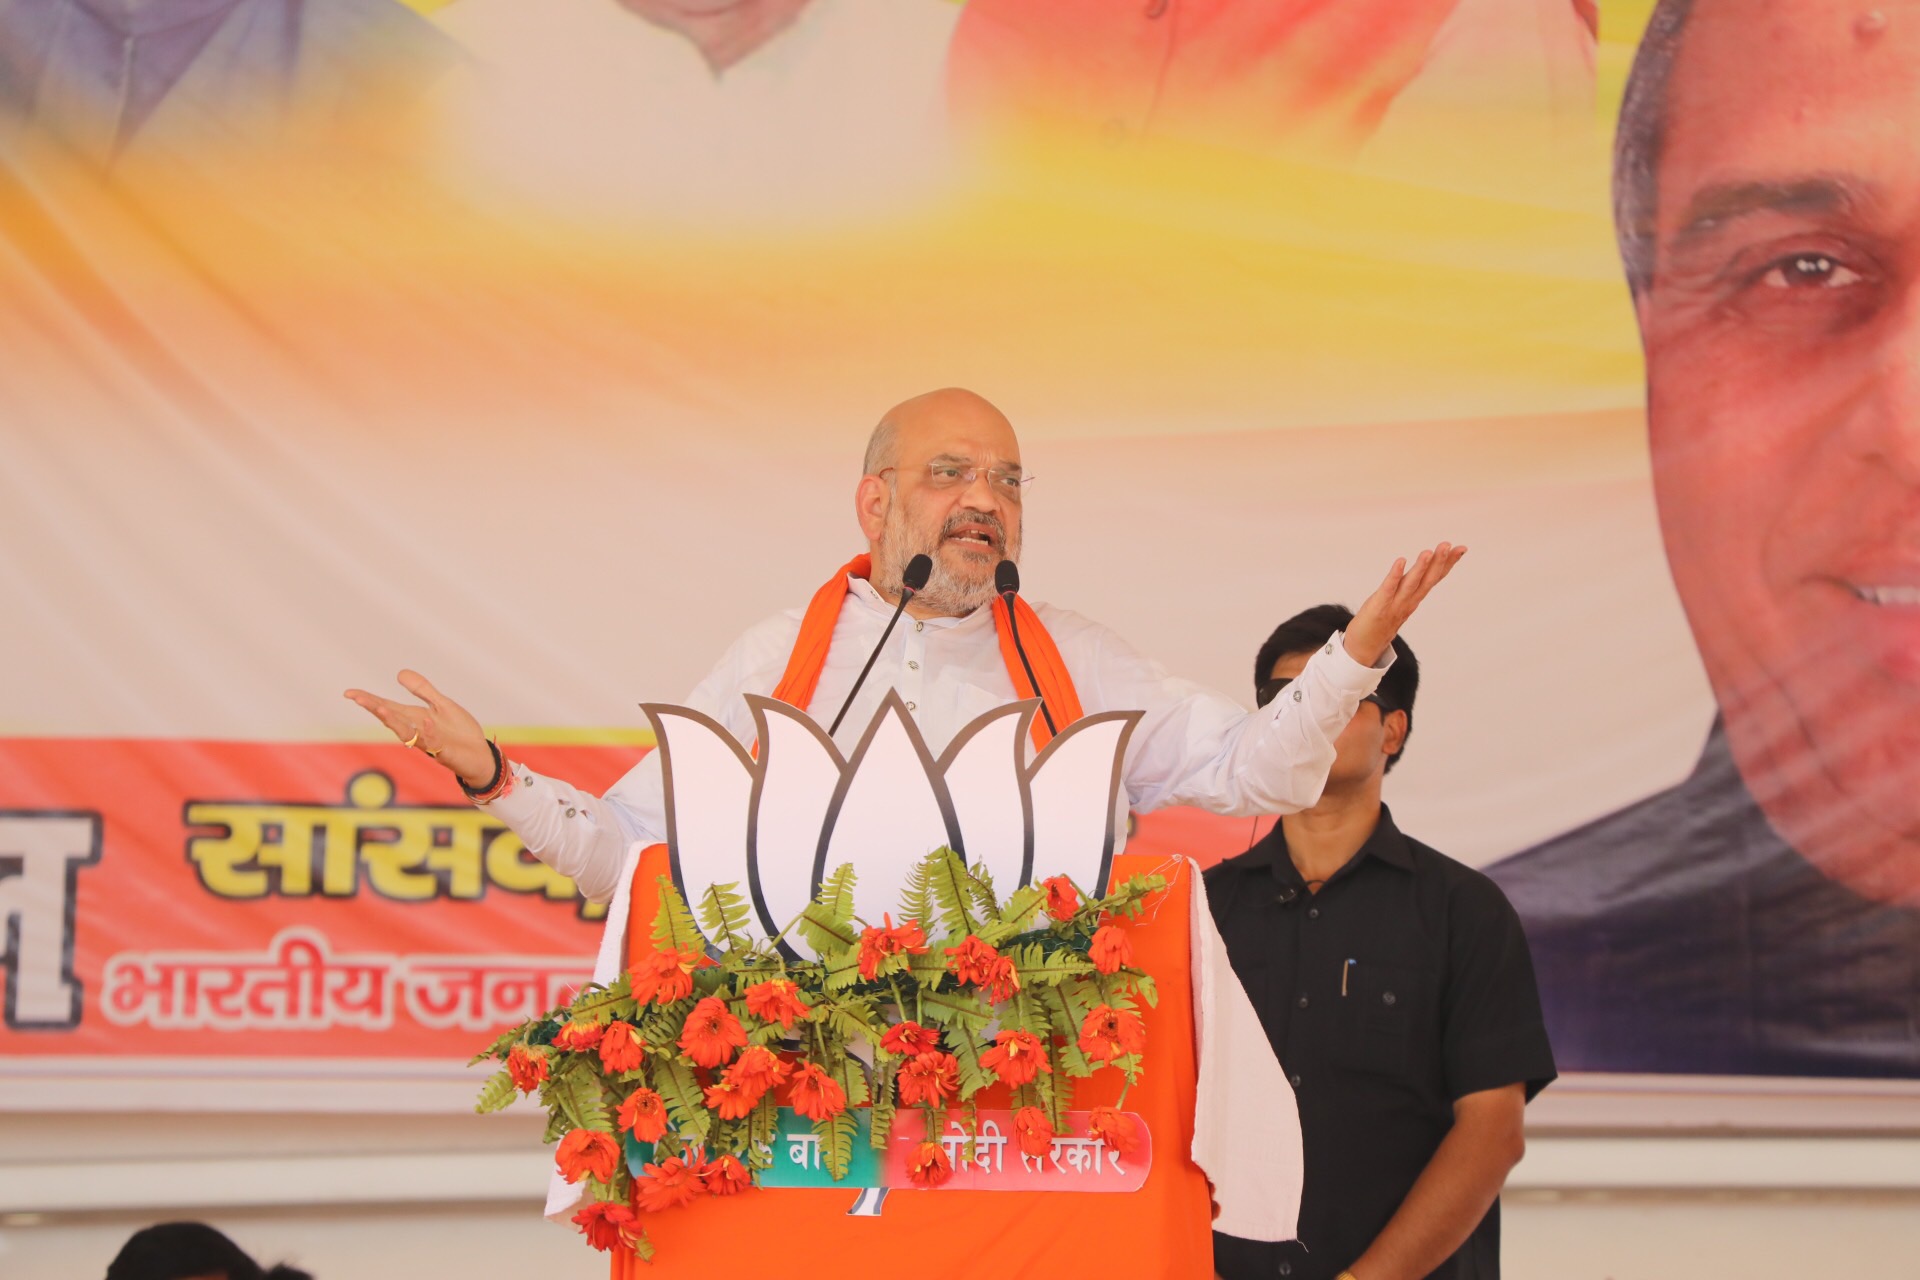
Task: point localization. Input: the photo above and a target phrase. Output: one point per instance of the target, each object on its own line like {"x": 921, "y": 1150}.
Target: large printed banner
{"x": 535, "y": 346}
{"x": 179, "y": 900}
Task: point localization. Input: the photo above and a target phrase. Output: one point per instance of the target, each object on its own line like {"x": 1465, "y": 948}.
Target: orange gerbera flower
{"x": 758, "y": 1070}
{"x": 712, "y": 1033}
{"x": 929, "y": 1078}
{"x": 1113, "y": 1127}
{"x": 586, "y": 1154}
{"x": 1016, "y": 1057}
{"x": 528, "y": 1067}
{"x": 746, "y": 1082}
{"x": 929, "y": 1165}
{"x": 607, "y": 1225}
{"x": 972, "y": 961}
{"x": 776, "y": 1000}
{"x": 1062, "y": 898}
{"x": 729, "y": 1101}
{"x": 878, "y": 945}
{"x": 621, "y": 1048}
{"x": 666, "y": 976}
{"x": 726, "y": 1176}
{"x": 1034, "y": 1131}
{"x": 1111, "y": 949}
{"x": 817, "y": 1095}
{"x": 910, "y": 1038}
{"x": 671, "y": 1183}
{"x": 1110, "y": 1033}
{"x": 643, "y": 1114}
{"x": 577, "y": 1037}
{"x": 1003, "y": 980}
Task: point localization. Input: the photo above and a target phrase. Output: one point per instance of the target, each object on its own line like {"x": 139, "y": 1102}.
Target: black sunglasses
{"x": 1270, "y": 689}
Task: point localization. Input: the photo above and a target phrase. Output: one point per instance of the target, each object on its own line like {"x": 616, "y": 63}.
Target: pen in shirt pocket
{"x": 1344, "y": 970}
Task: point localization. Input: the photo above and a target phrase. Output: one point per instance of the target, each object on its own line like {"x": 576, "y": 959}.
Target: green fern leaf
{"x": 584, "y": 1098}
{"x": 962, "y": 1014}
{"x": 986, "y": 902}
{"x": 1013, "y": 919}
{"x": 681, "y": 1092}
{"x": 661, "y": 1026}
{"x": 973, "y": 1076}
{"x": 953, "y": 895}
{"x": 836, "y": 891}
{"x": 853, "y": 1021}
{"x": 724, "y": 914}
{"x": 1027, "y": 1012}
{"x": 836, "y": 1142}
{"x": 917, "y": 904}
{"x": 1020, "y": 908}
{"x": 1051, "y": 1091}
{"x": 1042, "y": 968}
{"x": 1144, "y": 986}
{"x": 843, "y": 971}
{"x": 763, "y": 1126}
{"x": 880, "y": 1115}
{"x": 1127, "y": 898}
{"x": 827, "y": 923}
{"x": 930, "y": 970}
{"x": 1067, "y": 1055}
{"x": 673, "y": 927}
{"x": 497, "y": 1093}
{"x": 851, "y": 1076}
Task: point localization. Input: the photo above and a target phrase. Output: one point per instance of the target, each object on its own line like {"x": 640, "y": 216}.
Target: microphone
{"x": 912, "y": 579}
{"x": 1287, "y": 896}
{"x": 1006, "y": 581}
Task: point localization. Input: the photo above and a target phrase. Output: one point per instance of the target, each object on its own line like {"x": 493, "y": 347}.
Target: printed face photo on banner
{"x": 367, "y": 334}
{"x": 1764, "y": 916}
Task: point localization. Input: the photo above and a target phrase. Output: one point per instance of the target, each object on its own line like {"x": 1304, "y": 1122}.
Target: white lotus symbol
{"x": 779, "y": 823}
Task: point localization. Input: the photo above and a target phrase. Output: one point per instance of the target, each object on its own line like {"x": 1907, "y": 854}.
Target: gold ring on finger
{"x": 410, "y": 741}
{"x": 430, "y": 751}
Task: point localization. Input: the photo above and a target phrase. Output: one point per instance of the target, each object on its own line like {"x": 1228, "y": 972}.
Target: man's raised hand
{"x": 1388, "y": 608}
{"x": 442, "y": 728}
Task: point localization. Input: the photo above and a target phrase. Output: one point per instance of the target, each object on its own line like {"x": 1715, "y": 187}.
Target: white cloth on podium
{"x": 1246, "y": 1125}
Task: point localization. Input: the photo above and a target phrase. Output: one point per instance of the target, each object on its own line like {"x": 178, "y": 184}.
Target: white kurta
{"x": 1192, "y": 746}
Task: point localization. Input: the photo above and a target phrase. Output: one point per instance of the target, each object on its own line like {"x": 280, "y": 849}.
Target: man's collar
{"x": 862, "y": 590}
{"x": 1386, "y": 843}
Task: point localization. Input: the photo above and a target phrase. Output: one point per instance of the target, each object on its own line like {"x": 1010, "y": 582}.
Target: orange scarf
{"x": 809, "y": 658}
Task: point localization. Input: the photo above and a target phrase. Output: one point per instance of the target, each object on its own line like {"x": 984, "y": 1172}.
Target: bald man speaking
{"x": 942, "y": 478}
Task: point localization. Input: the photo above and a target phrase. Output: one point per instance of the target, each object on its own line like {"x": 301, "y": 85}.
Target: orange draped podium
{"x": 1161, "y": 1230}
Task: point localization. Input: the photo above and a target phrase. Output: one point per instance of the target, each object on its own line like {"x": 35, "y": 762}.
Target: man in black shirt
{"x": 1396, "y": 988}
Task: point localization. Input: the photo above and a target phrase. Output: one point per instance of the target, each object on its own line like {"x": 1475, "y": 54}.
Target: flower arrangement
{"x": 666, "y": 1084}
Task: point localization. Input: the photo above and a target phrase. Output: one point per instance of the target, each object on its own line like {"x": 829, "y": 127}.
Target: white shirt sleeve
{"x": 1198, "y": 747}
{"x": 586, "y": 837}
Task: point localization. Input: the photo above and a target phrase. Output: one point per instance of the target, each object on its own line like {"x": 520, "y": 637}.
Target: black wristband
{"x": 499, "y": 767}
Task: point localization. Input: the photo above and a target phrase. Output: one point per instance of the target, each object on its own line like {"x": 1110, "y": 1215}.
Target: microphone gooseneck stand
{"x": 1006, "y": 580}
{"x": 912, "y": 579}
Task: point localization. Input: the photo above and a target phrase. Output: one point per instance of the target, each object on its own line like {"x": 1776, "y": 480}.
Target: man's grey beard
{"x": 943, "y": 593}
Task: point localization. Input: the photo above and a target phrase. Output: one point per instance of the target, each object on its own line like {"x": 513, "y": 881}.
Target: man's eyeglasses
{"x": 1270, "y": 689}
{"x": 1010, "y": 485}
